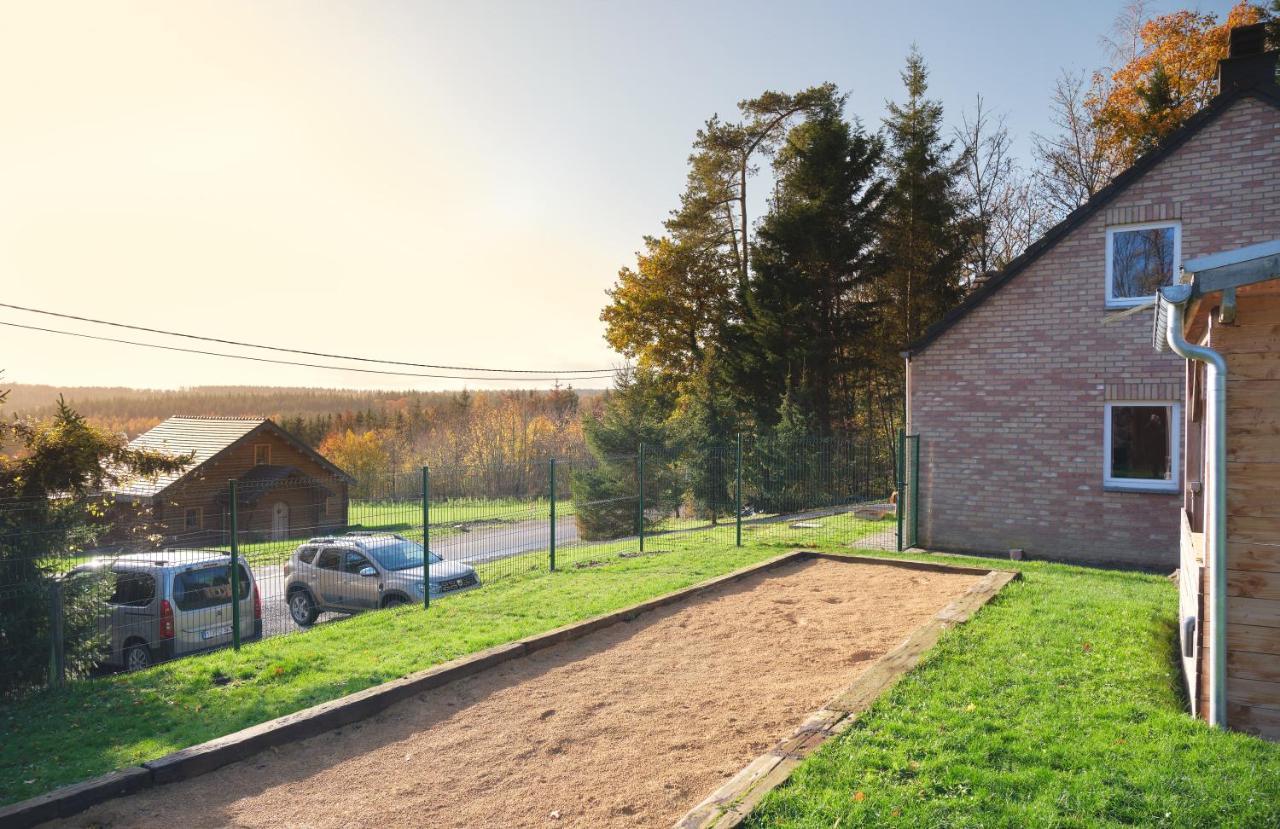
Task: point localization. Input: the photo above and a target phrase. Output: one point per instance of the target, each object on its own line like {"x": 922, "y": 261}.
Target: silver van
{"x": 171, "y": 603}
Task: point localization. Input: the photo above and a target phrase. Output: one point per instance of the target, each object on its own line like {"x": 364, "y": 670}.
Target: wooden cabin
{"x": 285, "y": 489}
{"x": 1233, "y": 307}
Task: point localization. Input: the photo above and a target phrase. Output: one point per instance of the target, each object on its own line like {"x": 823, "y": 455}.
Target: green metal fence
{"x": 276, "y": 552}
{"x": 908, "y": 491}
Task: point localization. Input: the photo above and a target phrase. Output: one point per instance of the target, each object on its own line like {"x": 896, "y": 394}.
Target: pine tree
{"x": 605, "y": 489}
{"x": 807, "y": 308}
{"x": 925, "y": 231}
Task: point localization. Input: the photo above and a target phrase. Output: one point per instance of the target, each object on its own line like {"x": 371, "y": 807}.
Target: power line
{"x": 81, "y": 335}
{"x": 603, "y": 372}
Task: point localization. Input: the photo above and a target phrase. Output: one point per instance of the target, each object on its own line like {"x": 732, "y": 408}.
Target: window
{"x": 329, "y": 558}
{"x": 133, "y": 588}
{"x": 354, "y": 563}
{"x": 262, "y": 454}
{"x": 1140, "y": 446}
{"x": 331, "y": 505}
{"x": 307, "y": 554}
{"x": 193, "y": 518}
{"x": 207, "y": 587}
{"x": 1141, "y": 259}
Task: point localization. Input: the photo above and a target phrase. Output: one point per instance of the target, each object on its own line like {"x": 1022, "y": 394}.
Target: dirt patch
{"x": 630, "y": 726}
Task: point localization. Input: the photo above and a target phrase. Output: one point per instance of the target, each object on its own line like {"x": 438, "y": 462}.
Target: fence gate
{"x": 908, "y": 490}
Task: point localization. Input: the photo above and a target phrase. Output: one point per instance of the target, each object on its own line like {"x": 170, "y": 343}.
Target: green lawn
{"x": 1057, "y": 705}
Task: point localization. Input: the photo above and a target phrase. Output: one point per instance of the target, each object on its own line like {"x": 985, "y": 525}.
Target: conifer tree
{"x": 926, "y": 230}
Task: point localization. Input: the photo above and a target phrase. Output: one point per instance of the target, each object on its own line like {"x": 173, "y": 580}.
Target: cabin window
{"x": 1140, "y": 446}
{"x": 1141, "y": 259}
{"x": 331, "y": 506}
{"x": 193, "y": 518}
{"x": 262, "y": 454}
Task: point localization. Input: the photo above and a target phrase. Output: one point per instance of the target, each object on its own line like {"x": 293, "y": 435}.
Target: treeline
{"x": 793, "y": 322}
{"x": 471, "y": 437}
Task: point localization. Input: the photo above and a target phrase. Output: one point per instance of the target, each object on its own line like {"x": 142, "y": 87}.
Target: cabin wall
{"x": 207, "y": 489}
{"x": 1251, "y": 346}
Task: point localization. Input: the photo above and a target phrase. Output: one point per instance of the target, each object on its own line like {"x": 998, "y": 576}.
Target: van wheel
{"x": 394, "y": 601}
{"x": 137, "y": 657}
{"x": 303, "y": 609}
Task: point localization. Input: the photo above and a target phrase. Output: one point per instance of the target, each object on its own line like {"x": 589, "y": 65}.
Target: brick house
{"x": 1046, "y": 421}
{"x": 285, "y": 488}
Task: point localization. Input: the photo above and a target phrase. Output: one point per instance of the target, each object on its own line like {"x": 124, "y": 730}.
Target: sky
{"x": 448, "y": 183}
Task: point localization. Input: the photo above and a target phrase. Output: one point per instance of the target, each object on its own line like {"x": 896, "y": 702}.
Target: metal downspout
{"x": 1175, "y": 299}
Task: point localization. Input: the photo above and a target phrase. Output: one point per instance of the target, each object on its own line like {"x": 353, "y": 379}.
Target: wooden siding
{"x": 1251, "y": 346}
{"x": 207, "y": 488}
{"x": 1191, "y": 588}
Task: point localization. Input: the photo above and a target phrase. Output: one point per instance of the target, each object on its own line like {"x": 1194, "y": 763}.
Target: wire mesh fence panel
{"x": 93, "y": 586}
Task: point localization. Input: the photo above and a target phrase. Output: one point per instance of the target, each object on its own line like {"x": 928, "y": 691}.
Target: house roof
{"x": 204, "y": 438}
{"x": 1268, "y": 93}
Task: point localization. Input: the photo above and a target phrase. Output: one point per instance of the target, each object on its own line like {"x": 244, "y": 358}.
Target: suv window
{"x": 206, "y": 587}
{"x": 306, "y": 554}
{"x": 329, "y": 558}
{"x": 133, "y": 588}
{"x": 353, "y": 562}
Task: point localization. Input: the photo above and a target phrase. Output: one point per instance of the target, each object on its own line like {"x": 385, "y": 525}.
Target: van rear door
{"x": 202, "y": 607}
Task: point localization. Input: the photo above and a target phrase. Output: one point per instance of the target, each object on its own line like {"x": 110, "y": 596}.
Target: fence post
{"x": 899, "y": 474}
{"x": 57, "y": 647}
{"x": 551, "y": 464}
{"x": 640, "y": 481}
{"x": 426, "y": 538}
{"x": 915, "y": 490}
{"x": 235, "y": 564}
{"x": 737, "y": 494}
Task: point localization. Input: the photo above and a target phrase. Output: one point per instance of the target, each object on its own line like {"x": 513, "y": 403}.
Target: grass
{"x": 1058, "y": 705}
{"x": 58, "y": 737}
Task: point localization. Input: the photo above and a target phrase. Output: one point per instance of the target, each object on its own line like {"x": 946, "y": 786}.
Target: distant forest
{"x": 368, "y": 433}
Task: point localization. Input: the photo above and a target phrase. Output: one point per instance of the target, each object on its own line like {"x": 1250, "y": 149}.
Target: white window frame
{"x": 1114, "y": 301}
{"x": 1174, "y": 483}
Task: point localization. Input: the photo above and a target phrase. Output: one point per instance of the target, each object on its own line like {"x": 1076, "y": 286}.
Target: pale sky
{"x": 448, "y": 182}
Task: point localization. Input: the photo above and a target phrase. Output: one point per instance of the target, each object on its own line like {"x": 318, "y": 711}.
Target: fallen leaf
{"x": 859, "y": 796}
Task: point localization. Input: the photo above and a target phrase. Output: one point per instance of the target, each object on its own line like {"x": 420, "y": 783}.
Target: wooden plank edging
{"x": 733, "y": 801}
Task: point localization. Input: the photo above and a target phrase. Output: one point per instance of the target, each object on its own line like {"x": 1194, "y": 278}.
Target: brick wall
{"x": 1009, "y": 401}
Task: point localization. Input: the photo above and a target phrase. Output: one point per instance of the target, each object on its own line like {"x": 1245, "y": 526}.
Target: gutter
{"x": 1171, "y": 312}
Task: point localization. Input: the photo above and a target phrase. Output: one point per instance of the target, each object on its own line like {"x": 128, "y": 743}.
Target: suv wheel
{"x": 137, "y": 657}
{"x": 394, "y": 601}
{"x": 302, "y": 608}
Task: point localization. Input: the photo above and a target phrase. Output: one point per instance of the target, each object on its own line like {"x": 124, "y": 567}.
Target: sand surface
{"x": 630, "y": 726}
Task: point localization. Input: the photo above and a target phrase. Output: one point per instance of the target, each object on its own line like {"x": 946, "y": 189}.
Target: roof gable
{"x": 1269, "y": 94}
{"x": 205, "y": 438}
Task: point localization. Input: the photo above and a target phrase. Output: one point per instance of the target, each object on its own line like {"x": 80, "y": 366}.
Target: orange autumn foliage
{"x": 1177, "y": 63}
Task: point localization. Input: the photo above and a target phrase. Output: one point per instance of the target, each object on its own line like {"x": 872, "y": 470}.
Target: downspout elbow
{"x": 1173, "y": 301}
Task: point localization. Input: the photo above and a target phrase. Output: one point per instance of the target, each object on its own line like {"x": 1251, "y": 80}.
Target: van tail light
{"x": 166, "y": 619}
{"x": 288, "y": 568}
{"x": 257, "y": 604}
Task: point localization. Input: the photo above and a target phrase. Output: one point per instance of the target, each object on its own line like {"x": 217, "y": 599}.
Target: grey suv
{"x": 169, "y": 603}
{"x": 362, "y": 571}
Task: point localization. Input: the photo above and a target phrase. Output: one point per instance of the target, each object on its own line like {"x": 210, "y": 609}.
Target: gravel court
{"x": 629, "y": 726}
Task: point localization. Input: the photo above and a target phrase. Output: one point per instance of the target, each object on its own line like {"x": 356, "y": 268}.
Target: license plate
{"x": 214, "y": 633}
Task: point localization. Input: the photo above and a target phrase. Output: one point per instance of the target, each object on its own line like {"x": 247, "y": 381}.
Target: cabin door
{"x": 279, "y": 521}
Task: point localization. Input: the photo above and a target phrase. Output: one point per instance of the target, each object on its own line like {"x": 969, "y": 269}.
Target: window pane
{"x": 133, "y": 588}
{"x": 207, "y": 587}
{"x": 1141, "y": 261}
{"x": 1140, "y": 445}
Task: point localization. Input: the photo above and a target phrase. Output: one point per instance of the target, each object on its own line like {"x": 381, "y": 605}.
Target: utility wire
{"x": 523, "y": 379}
{"x": 603, "y": 372}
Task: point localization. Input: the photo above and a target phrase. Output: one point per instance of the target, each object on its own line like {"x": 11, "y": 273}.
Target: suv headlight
{"x": 419, "y": 587}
